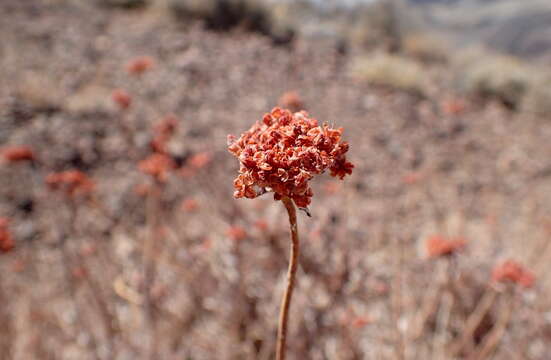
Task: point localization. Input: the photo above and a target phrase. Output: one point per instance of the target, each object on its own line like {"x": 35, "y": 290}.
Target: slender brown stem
{"x": 293, "y": 265}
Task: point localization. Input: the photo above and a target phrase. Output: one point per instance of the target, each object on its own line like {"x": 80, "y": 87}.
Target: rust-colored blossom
{"x": 512, "y": 271}
{"x": 157, "y": 165}
{"x": 236, "y": 233}
{"x": 122, "y": 99}
{"x": 72, "y": 182}
{"x": 440, "y": 246}
{"x": 6, "y": 240}
{"x": 292, "y": 101}
{"x": 14, "y": 154}
{"x": 190, "y": 205}
{"x": 283, "y": 152}
{"x": 139, "y": 65}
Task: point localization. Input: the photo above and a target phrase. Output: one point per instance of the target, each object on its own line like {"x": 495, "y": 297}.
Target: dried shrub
{"x": 223, "y": 15}
{"x": 381, "y": 25}
{"x": 538, "y": 97}
{"x": 424, "y": 47}
{"x": 494, "y": 77}
{"x": 391, "y": 71}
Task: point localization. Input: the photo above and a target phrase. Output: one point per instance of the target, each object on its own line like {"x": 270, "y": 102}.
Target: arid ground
{"x": 135, "y": 267}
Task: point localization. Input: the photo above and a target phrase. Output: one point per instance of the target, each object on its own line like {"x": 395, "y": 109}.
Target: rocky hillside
{"x": 521, "y": 28}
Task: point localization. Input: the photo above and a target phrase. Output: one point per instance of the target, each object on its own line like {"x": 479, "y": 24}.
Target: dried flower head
{"x": 121, "y": 98}
{"x": 439, "y": 246}
{"x": 512, "y": 271}
{"x": 14, "y": 154}
{"x": 6, "y": 241}
{"x": 283, "y": 152}
{"x": 139, "y": 65}
{"x": 157, "y": 165}
{"x": 291, "y": 100}
{"x": 72, "y": 182}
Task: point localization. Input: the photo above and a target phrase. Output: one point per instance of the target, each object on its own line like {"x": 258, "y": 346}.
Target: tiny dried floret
{"x": 439, "y": 246}
{"x": 6, "y": 241}
{"x": 512, "y": 271}
{"x": 73, "y": 182}
{"x": 283, "y": 152}
{"x": 157, "y": 165}
{"x": 14, "y": 154}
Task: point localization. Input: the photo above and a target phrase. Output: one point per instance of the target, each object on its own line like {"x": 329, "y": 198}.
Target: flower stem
{"x": 293, "y": 265}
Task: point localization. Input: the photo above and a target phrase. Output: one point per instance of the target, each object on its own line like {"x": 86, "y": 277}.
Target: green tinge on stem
{"x": 291, "y": 274}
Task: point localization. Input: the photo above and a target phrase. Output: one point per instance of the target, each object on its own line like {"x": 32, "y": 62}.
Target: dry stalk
{"x": 493, "y": 339}
{"x": 474, "y": 320}
{"x": 151, "y": 249}
{"x": 293, "y": 266}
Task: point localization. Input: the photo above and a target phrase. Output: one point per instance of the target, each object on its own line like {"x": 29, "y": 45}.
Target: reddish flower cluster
{"x": 122, "y": 99}
{"x": 162, "y": 133}
{"x": 439, "y": 246}
{"x": 512, "y": 271}
{"x": 6, "y": 241}
{"x": 73, "y": 182}
{"x": 292, "y": 101}
{"x": 139, "y": 65}
{"x": 14, "y": 154}
{"x": 157, "y": 165}
{"x": 283, "y": 152}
